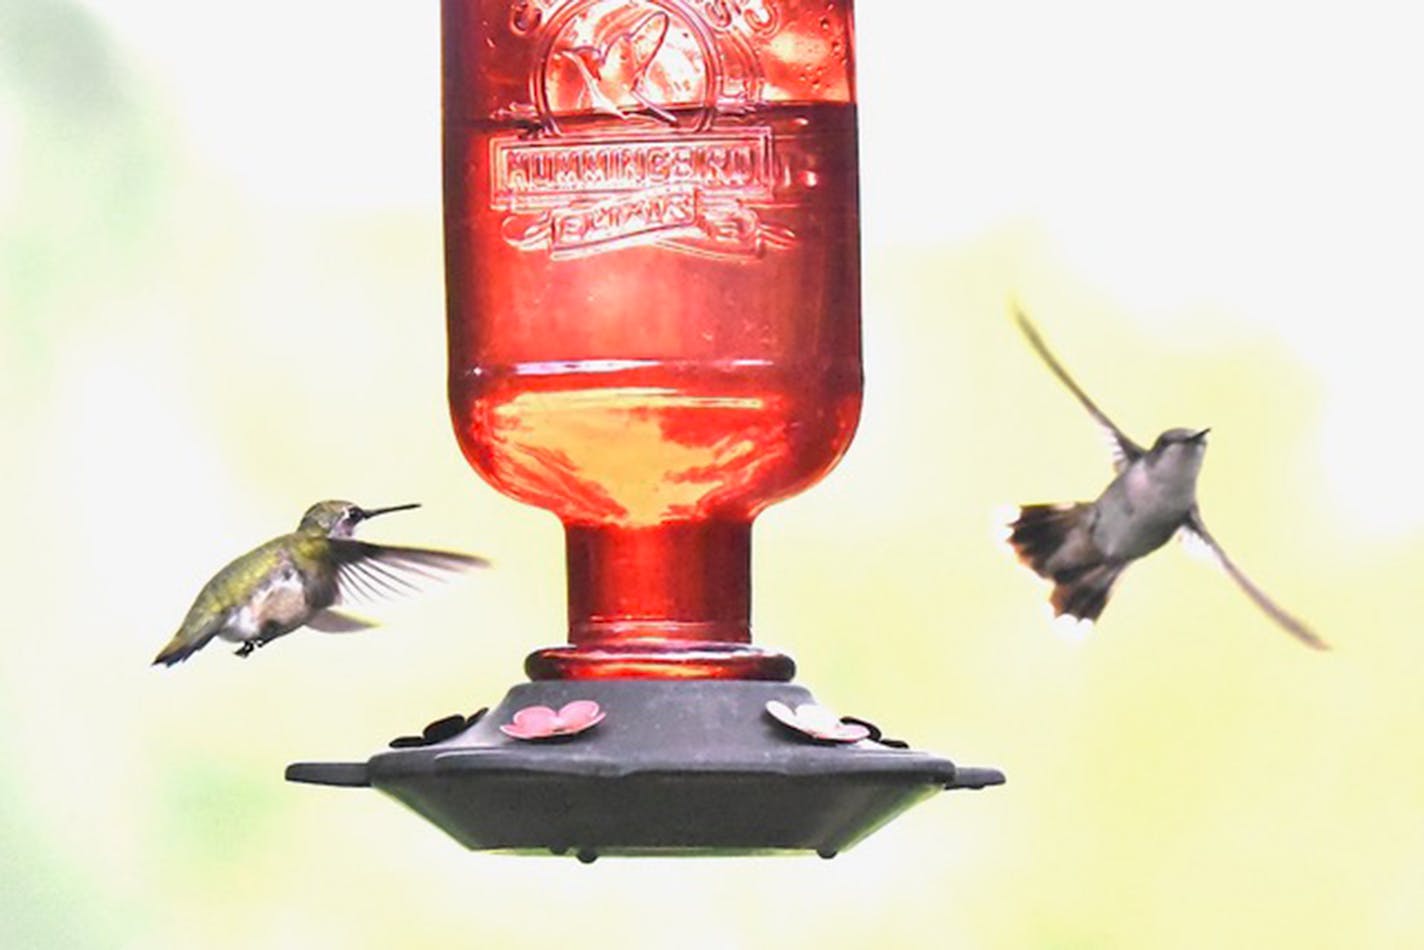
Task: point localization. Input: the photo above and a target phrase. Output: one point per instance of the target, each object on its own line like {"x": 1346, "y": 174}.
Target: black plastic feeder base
{"x": 674, "y": 768}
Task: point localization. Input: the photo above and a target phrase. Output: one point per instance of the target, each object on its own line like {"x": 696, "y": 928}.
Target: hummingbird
{"x": 615, "y": 71}
{"x": 294, "y": 580}
{"x": 1082, "y": 547}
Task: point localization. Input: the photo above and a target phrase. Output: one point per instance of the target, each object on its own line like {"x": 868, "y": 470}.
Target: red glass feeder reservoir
{"x": 652, "y": 261}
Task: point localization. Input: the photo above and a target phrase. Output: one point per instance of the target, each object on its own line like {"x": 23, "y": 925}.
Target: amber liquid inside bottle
{"x": 654, "y": 311}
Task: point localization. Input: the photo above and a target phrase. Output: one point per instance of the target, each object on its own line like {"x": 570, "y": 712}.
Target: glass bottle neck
{"x": 688, "y": 581}
{"x": 666, "y": 601}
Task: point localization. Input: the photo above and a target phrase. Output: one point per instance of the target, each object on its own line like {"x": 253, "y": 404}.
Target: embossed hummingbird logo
{"x": 614, "y": 73}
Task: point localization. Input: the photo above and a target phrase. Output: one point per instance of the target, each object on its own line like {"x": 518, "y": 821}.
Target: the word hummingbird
{"x": 1082, "y": 547}
{"x": 294, "y": 580}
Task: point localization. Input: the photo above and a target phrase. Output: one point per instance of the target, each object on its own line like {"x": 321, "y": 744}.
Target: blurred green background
{"x": 220, "y": 300}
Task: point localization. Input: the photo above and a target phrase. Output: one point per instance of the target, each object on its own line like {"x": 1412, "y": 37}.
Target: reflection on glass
{"x": 653, "y": 276}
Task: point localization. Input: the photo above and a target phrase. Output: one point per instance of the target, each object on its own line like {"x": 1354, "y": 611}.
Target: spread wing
{"x": 643, "y": 42}
{"x": 630, "y": 54}
{"x": 369, "y": 571}
{"x": 1195, "y": 526}
{"x": 1124, "y": 450}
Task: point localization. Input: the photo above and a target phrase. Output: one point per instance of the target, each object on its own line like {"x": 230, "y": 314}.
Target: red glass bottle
{"x": 652, "y": 258}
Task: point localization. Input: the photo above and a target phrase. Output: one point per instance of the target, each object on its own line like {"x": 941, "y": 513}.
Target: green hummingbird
{"x": 294, "y": 580}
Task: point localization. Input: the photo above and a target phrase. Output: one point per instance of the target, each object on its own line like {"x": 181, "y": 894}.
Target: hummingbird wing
{"x": 628, "y": 54}
{"x": 627, "y": 57}
{"x": 334, "y": 621}
{"x": 371, "y": 570}
{"x": 1125, "y": 451}
{"x": 1195, "y": 526}
{"x": 645, "y": 40}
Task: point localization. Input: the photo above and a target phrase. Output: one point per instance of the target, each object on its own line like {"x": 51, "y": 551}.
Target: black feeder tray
{"x": 676, "y": 767}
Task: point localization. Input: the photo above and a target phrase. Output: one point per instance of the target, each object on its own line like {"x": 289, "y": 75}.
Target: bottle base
{"x": 691, "y": 768}
{"x": 660, "y": 659}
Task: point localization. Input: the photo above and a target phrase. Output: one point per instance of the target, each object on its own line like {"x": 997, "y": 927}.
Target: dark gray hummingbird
{"x": 1083, "y": 546}
{"x": 296, "y": 579}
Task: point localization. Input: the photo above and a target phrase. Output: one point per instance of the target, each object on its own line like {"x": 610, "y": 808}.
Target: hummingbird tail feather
{"x": 1084, "y": 593}
{"x": 180, "y": 648}
{"x": 1040, "y": 531}
{"x": 175, "y": 652}
{"x": 1044, "y": 537}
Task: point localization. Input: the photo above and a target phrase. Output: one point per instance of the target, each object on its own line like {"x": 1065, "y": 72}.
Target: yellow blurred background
{"x": 221, "y": 300}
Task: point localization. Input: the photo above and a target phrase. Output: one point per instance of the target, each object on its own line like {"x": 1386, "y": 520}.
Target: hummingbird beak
{"x": 1199, "y": 436}
{"x": 372, "y": 512}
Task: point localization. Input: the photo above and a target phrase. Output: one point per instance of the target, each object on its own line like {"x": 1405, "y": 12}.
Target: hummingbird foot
{"x": 244, "y": 650}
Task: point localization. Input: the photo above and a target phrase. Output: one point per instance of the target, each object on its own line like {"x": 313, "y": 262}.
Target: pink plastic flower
{"x": 818, "y": 722}
{"x": 533, "y": 723}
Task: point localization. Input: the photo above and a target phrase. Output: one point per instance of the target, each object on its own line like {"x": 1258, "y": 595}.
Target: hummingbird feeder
{"x": 653, "y": 282}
